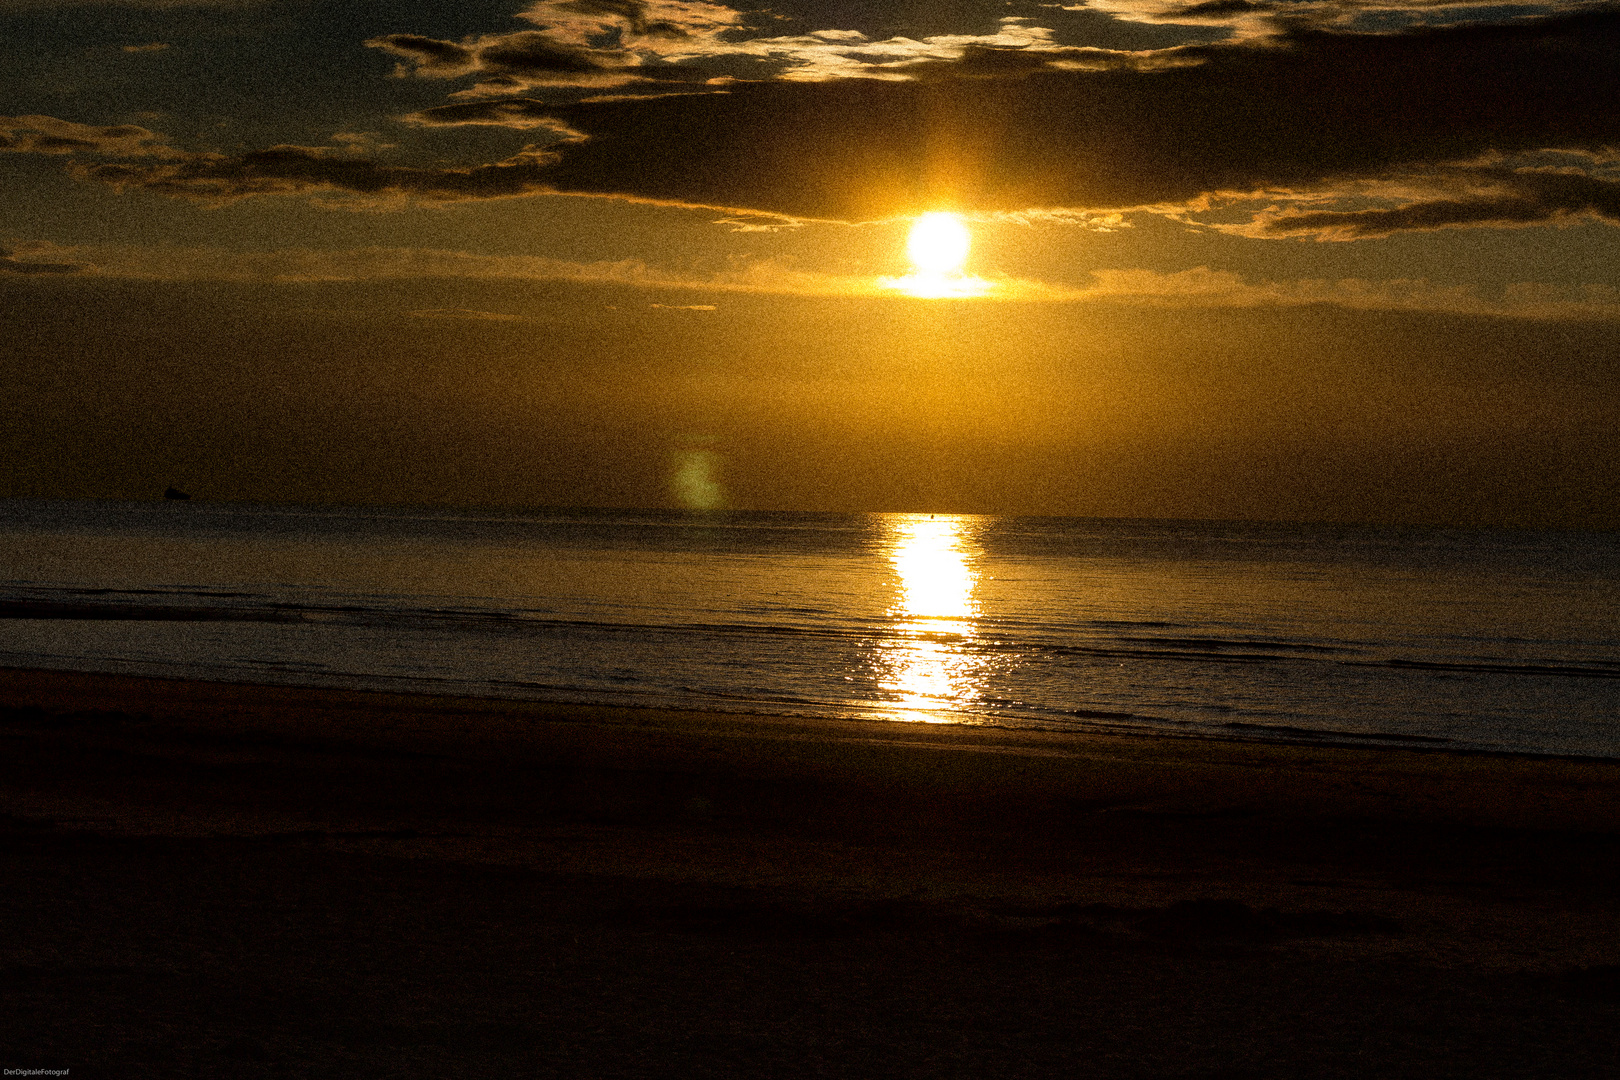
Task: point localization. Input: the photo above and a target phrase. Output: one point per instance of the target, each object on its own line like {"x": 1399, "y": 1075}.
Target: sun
{"x": 938, "y": 244}
{"x": 938, "y": 247}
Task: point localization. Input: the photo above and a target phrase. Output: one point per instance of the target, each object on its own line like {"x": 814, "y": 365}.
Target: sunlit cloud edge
{"x": 1196, "y": 287}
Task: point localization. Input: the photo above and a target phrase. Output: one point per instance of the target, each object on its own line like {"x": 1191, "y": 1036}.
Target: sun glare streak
{"x": 927, "y": 669}
{"x": 938, "y": 247}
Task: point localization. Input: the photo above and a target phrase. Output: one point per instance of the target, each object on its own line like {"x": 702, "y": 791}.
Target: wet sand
{"x": 207, "y": 879}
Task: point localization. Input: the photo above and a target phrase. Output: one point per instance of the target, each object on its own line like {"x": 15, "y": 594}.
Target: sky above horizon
{"x": 1333, "y": 260}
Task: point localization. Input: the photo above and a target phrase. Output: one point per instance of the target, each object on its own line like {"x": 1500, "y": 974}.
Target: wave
{"x": 995, "y": 637}
{"x": 1595, "y": 670}
{"x": 1293, "y": 731}
{"x": 37, "y": 609}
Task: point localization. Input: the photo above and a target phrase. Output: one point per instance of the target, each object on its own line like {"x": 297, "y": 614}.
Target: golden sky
{"x": 1304, "y": 261}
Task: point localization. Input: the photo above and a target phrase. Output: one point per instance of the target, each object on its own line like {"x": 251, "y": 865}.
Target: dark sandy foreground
{"x": 233, "y": 881}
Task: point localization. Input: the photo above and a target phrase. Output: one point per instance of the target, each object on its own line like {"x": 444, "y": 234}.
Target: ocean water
{"x": 1493, "y": 639}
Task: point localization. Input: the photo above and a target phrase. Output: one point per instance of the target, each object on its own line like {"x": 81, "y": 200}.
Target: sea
{"x": 1471, "y": 639}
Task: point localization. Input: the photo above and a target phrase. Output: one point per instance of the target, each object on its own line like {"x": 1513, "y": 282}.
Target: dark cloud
{"x": 1304, "y": 109}
{"x": 1004, "y": 129}
{"x": 536, "y": 58}
{"x": 1515, "y": 198}
{"x": 635, "y": 13}
{"x": 502, "y": 112}
{"x": 431, "y": 56}
{"x": 548, "y": 57}
{"x": 36, "y": 134}
{"x": 287, "y": 170}
{"x": 1266, "y": 16}
{"x": 1218, "y": 9}
{"x": 530, "y": 52}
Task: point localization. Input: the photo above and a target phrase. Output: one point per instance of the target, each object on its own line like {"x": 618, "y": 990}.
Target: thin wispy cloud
{"x": 522, "y": 114}
{"x": 1199, "y": 287}
{"x": 29, "y": 261}
{"x": 50, "y": 135}
{"x": 8, "y": 6}
{"x": 1464, "y": 198}
{"x": 1254, "y": 18}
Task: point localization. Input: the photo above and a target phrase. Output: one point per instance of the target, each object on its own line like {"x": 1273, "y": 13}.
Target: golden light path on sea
{"x": 926, "y": 667}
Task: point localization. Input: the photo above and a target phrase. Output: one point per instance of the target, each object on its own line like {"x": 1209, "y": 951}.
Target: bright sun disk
{"x": 938, "y": 243}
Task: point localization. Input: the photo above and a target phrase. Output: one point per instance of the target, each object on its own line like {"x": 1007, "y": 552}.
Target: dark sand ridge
{"x": 207, "y": 879}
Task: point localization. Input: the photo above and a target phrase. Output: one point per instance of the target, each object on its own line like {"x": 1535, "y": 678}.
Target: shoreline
{"x": 1234, "y": 732}
{"x": 1044, "y": 770}
{"x": 228, "y": 879}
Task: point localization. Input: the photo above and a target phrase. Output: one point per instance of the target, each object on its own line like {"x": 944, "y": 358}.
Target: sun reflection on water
{"x": 927, "y": 666}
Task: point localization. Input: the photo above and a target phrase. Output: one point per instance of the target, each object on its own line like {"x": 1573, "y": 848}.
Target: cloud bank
{"x": 1309, "y": 115}
{"x": 1005, "y": 130}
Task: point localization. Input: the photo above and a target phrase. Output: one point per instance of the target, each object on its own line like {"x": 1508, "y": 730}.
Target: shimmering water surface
{"x": 1464, "y": 638}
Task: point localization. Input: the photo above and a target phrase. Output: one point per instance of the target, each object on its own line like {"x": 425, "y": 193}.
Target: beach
{"x": 220, "y": 879}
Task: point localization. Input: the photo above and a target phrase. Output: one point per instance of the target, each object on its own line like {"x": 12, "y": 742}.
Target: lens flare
{"x": 696, "y": 480}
